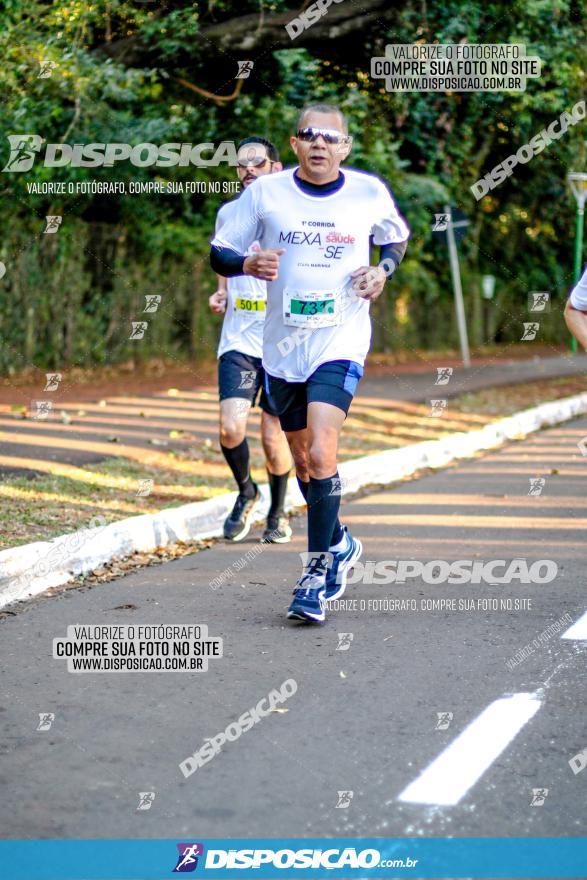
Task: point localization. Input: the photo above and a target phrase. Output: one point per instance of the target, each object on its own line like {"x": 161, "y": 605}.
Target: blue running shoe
{"x": 308, "y": 602}
{"x": 343, "y": 560}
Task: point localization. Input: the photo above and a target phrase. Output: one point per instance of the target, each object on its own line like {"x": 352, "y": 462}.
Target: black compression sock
{"x": 338, "y": 531}
{"x": 323, "y": 505}
{"x": 278, "y": 487}
{"x": 237, "y": 459}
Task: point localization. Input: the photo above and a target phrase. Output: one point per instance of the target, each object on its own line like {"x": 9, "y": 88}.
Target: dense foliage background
{"x": 144, "y": 71}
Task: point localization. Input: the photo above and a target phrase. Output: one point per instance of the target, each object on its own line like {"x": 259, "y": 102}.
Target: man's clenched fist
{"x": 217, "y": 302}
{"x": 368, "y": 281}
{"x": 264, "y": 264}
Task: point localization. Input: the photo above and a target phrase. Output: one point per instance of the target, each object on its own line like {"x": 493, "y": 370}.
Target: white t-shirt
{"x": 312, "y": 316}
{"x": 242, "y": 328}
{"x": 578, "y": 295}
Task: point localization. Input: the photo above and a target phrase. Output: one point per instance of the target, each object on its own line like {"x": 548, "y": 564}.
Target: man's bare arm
{"x": 577, "y": 324}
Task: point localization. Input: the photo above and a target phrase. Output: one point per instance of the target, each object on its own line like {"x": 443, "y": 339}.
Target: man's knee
{"x": 321, "y": 459}
{"x": 234, "y": 413}
{"x": 232, "y": 432}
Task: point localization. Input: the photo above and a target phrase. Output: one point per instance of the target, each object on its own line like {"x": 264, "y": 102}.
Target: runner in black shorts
{"x": 240, "y": 374}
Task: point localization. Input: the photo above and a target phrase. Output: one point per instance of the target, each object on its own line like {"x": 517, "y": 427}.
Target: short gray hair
{"x": 322, "y": 108}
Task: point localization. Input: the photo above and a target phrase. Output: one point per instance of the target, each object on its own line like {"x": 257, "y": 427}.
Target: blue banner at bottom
{"x": 337, "y": 858}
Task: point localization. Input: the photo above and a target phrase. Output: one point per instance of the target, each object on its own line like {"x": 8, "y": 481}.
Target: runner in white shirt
{"x": 576, "y": 311}
{"x": 242, "y": 300}
{"x": 314, "y": 226}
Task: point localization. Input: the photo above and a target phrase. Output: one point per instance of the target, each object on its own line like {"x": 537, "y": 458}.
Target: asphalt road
{"x": 364, "y": 719}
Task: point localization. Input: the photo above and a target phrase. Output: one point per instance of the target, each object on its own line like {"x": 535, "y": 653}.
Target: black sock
{"x": 323, "y": 505}
{"x": 278, "y": 486}
{"x": 337, "y": 531}
{"x": 238, "y": 461}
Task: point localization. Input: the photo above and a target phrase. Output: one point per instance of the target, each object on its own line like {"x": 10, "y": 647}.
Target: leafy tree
{"x": 134, "y": 72}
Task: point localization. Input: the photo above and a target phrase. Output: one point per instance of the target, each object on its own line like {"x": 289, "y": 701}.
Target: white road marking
{"x": 450, "y": 776}
{"x": 578, "y": 630}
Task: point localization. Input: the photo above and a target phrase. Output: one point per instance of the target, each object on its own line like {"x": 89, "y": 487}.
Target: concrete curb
{"x": 31, "y": 569}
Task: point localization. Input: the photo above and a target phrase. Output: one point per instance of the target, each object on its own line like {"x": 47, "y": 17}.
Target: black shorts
{"x": 334, "y": 382}
{"x": 241, "y": 375}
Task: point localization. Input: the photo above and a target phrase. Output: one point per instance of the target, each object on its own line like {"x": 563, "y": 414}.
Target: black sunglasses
{"x": 330, "y": 135}
{"x": 257, "y": 161}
